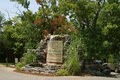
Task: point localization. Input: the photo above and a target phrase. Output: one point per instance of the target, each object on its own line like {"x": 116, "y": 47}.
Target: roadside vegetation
{"x": 93, "y": 25}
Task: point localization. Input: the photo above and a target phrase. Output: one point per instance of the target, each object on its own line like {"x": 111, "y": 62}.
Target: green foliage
{"x": 111, "y": 59}
{"x": 1, "y": 27}
{"x": 29, "y": 57}
{"x": 96, "y": 21}
{"x": 72, "y": 63}
{"x": 62, "y": 72}
{"x": 21, "y": 35}
{"x": 19, "y": 65}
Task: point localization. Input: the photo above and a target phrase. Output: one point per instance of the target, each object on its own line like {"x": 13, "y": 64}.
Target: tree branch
{"x": 7, "y": 14}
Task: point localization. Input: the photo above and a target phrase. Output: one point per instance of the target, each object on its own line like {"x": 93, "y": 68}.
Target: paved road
{"x": 8, "y": 74}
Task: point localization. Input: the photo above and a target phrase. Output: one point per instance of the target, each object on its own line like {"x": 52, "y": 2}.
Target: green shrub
{"x": 62, "y": 72}
{"x": 111, "y": 59}
{"x": 27, "y": 58}
{"x": 19, "y": 65}
{"x": 72, "y": 63}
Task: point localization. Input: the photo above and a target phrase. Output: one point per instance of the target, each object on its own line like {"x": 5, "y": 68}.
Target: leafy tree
{"x": 111, "y": 28}
{"x": 24, "y": 3}
{"x": 1, "y": 26}
{"x": 52, "y": 19}
{"x": 96, "y": 21}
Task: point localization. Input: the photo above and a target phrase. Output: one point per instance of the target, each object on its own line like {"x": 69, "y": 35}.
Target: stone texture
{"x": 41, "y": 51}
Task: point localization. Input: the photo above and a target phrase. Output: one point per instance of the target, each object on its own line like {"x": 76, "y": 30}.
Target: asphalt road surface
{"x": 8, "y": 74}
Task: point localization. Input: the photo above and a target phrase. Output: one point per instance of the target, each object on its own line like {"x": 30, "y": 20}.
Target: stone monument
{"x": 52, "y": 49}
{"x": 50, "y": 54}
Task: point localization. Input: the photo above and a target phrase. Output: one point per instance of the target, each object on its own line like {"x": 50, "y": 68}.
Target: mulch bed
{"x": 38, "y": 74}
{"x": 41, "y": 74}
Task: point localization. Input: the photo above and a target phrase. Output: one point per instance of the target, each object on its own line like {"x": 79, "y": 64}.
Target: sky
{"x": 10, "y": 9}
